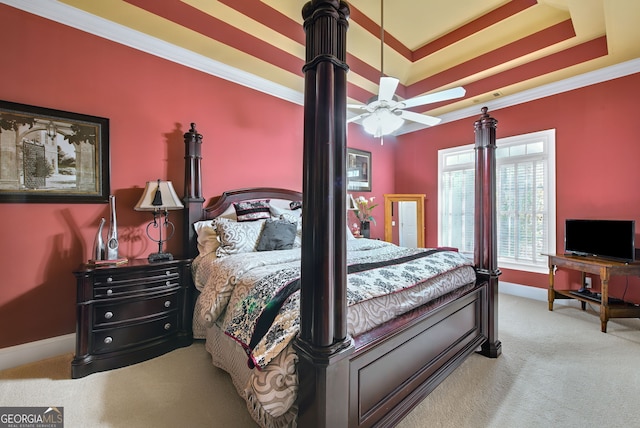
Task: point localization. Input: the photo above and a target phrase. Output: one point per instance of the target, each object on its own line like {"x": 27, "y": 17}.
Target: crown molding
{"x": 70, "y": 16}
{"x": 92, "y": 24}
{"x": 586, "y": 79}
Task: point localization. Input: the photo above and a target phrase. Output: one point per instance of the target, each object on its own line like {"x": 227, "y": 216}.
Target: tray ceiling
{"x": 494, "y": 48}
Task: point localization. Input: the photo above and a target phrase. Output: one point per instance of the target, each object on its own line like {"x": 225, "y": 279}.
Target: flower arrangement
{"x": 364, "y": 207}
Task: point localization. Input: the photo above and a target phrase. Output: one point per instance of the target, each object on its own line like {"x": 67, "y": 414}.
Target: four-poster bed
{"x": 340, "y": 378}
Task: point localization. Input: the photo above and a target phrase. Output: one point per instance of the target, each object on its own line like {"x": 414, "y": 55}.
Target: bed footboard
{"x": 393, "y": 373}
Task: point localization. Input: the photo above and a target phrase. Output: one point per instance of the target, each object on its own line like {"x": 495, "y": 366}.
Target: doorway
{"x": 404, "y": 219}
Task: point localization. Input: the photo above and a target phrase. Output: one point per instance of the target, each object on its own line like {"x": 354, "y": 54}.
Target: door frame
{"x": 418, "y": 198}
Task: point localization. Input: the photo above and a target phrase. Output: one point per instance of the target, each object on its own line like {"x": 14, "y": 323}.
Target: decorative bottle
{"x": 112, "y": 236}
{"x": 98, "y": 243}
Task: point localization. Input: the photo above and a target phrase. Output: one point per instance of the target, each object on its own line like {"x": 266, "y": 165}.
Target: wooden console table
{"x": 605, "y": 269}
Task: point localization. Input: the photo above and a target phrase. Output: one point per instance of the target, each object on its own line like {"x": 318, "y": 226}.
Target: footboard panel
{"x": 392, "y": 374}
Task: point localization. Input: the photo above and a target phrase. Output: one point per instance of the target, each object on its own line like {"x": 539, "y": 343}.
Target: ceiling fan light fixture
{"x": 382, "y": 122}
{"x": 384, "y": 114}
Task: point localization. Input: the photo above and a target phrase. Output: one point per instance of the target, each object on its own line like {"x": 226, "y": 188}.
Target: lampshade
{"x": 382, "y": 122}
{"x": 159, "y": 196}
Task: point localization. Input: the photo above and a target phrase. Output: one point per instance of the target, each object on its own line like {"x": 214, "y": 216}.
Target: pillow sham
{"x": 207, "y": 238}
{"x": 207, "y": 235}
{"x": 277, "y": 235}
{"x": 252, "y": 210}
{"x": 279, "y": 211}
{"x": 238, "y": 237}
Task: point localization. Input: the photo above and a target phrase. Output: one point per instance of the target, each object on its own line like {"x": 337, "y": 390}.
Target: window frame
{"x": 547, "y": 137}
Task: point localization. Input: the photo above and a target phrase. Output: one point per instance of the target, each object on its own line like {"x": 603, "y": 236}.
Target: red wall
{"x": 597, "y": 152}
{"x": 250, "y": 139}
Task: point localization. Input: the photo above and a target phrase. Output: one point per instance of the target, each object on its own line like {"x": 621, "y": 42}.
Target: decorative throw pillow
{"x": 295, "y": 205}
{"x": 277, "y": 235}
{"x": 208, "y": 235}
{"x": 236, "y": 237}
{"x": 292, "y": 218}
{"x": 252, "y": 210}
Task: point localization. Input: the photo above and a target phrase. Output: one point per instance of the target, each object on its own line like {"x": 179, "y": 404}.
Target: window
{"x": 525, "y": 175}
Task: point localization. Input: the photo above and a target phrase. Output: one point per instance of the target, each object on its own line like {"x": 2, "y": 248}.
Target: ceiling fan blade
{"x": 357, "y": 106}
{"x": 420, "y": 118}
{"x": 447, "y": 94}
{"x": 358, "y": 117}
{"x": 387, "y": 88}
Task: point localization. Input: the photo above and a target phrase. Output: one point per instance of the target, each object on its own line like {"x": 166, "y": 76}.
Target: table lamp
{"x": 159, "y": 197}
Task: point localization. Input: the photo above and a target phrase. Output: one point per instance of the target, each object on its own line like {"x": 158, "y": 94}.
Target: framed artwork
{"x": 52, "y": 156}
{"x": 358, "y": 170}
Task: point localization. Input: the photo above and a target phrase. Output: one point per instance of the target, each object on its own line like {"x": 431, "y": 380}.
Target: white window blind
{"x": 525, "y": 174}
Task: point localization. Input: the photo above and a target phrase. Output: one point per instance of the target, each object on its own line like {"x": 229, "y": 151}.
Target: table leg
{"x": 552, "y": 294}
{"x": 604, "y": 303}
{"x": 583, "y": 305}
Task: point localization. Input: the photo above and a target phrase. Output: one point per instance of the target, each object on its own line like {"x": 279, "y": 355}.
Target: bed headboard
{"x": 218, "y": 205}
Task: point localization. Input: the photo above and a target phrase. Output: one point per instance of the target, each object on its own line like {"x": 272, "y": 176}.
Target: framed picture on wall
{"x": 358, "y": 170}
{"x": 52, "y": 155}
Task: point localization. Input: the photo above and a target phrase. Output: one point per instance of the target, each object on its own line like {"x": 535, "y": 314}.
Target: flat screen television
{"x": 609, "y": 239}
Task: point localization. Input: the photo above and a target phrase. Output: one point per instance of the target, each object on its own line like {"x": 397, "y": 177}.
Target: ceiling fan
{"x": 384, "y": 113}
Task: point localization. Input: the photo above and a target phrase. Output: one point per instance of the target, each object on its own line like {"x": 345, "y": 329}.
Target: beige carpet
{"x": 557, "y": 370}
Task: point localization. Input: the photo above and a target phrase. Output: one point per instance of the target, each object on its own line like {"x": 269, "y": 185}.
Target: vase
{"x": 112, "y": 236}
{"x": 98, "y": 243}
{"x": 365, "y": 229}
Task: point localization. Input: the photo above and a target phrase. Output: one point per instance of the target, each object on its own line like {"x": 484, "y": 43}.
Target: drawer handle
{"x": 108, "y": 340}
{"x": 167, "y": 326}
{"x": 167, "y": 273}
{"x": 167, "y": 303}
{"x": 168, "y": 283}
{"x": 109, "y": 279}
{"x": 109, "y": 292}
{"x": 108, "y": 315}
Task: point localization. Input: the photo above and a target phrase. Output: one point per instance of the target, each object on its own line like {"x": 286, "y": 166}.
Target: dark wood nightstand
{"x": 130, "y": 313}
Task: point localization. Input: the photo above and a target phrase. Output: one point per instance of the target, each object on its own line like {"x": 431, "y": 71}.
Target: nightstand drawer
{"x": 134, "y": 309}
{"x": 119, "y": 284}
{"x": 114, "y": 339}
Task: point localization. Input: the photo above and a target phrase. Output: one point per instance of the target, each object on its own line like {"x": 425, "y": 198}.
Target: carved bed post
{"x": 192, "y": 199}
{"x": 323, "y": 345}
{"x": 486, "y": 254}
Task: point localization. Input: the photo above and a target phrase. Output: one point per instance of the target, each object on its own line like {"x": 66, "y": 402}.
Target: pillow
{"x": 279, "y": 211}
{"x": 238, "y": 237}
{"x": 277, "y": 235}
{"x": 291, "y": 218}
{"x": 207, "y": 235}
{"x": 295, "y": 205}
{"x": 252, "y": 210}
{"x": 297, "y": 221}
{"x": 207, "y": 238}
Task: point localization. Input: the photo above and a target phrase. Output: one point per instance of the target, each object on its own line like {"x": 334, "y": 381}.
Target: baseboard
{"x": 534, "y": 293}
{"x": 26, "y": 353}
